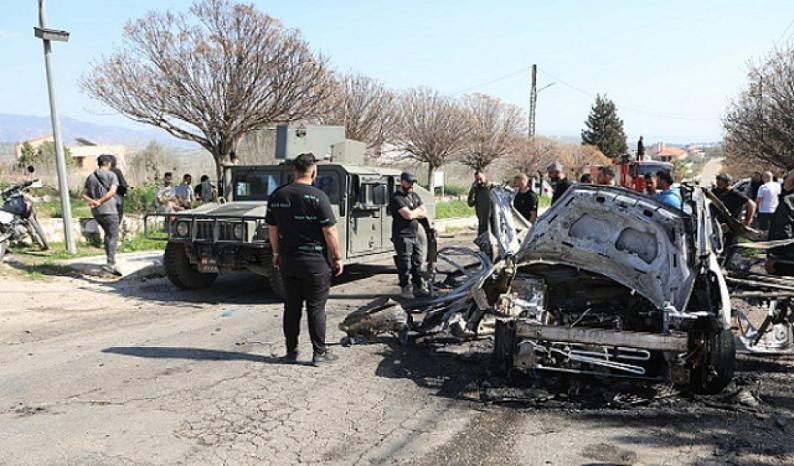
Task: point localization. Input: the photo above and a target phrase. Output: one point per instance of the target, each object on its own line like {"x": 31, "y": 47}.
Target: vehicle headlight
{"x": 238, "y": 231}
{"x": 182, "y": 229}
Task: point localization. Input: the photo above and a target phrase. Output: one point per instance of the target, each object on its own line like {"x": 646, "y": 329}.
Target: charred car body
{"x": 608, "y": 282}
{"x": 232, "y": 234}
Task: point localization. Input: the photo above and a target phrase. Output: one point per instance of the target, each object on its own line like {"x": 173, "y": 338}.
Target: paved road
{"x": 710, "y": 171}
{"x": 128, "y": 373}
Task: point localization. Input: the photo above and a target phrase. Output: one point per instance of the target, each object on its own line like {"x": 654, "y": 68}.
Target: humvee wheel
{"x": 181, "y": 273}
{"x": 715, "y": 368}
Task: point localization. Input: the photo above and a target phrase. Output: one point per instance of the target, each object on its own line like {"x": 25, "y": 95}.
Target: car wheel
{"x": 714, "y": 369}
{"x": 181, "y": 272}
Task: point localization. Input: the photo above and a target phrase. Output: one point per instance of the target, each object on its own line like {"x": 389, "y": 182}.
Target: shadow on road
{"x": 196, "y": 354}
{"x": 430, "y": 366}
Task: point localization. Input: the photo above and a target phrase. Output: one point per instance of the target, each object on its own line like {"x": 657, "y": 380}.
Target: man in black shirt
{"x": 733, "y": 199}
{"x": 122, "y": 188}
{"x": 526, "y": 201}
{"x": 303, "y": 235}
{"x": 781, "y": 259}
{"x": 561, "y": 182}
{"x": 406, "y": 209}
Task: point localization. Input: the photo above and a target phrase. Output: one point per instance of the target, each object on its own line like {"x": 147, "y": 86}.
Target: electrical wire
{"x": 625, "y": 107}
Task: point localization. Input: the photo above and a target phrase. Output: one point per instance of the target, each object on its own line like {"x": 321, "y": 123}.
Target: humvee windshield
{"x": 255, "y": 185}
{"x": 258, "y": 185}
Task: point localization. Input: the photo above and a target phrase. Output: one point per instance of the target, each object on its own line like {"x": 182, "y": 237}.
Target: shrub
{"x": 140, "y": 199}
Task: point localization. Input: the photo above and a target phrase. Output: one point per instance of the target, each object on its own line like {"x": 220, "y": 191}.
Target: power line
{"x": 624, "y": 107}
{"x": 784, "y": 32}
{"x": 500, "y": 78}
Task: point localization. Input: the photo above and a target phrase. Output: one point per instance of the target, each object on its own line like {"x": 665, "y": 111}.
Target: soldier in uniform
{"x": 303, "y": 237}
{"x": 406, "y": 210}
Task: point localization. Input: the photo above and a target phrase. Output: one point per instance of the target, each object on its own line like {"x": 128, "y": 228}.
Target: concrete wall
{"x": 53, "y": 228}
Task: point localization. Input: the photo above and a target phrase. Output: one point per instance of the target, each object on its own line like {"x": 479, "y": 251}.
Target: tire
{"x": 715, "y": 367}
{"x": 37, "y": 234}
{"x": 181, "y": 272}
{"x": 273, "y": 276}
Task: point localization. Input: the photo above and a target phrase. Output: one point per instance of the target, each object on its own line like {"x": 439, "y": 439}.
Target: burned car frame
{"x": 608, "y": 282}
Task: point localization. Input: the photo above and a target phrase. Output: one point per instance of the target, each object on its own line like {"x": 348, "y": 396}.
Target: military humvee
{"x": 232, "y": 234}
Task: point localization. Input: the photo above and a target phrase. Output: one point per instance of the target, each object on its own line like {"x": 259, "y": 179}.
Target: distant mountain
{"x": 15, "y": 128}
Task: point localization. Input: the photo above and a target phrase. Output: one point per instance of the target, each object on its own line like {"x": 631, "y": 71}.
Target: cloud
{"x": 7, "y": 34}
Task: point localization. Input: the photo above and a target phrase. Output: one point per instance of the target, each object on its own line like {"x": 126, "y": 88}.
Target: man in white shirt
{"x": 767, "y": 200}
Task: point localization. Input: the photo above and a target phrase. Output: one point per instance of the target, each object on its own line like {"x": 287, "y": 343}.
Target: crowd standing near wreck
{"x": 476, "y": 288}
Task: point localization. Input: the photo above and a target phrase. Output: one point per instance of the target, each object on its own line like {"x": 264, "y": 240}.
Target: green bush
{"x": 140, "y": 199}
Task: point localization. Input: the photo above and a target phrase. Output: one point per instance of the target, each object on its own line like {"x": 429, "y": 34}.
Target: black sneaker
{"x": 290, "y": 357}
{"x": 325, "y": 357}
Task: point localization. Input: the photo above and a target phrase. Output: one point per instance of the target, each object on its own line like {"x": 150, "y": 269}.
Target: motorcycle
{"x": 18, "y": 216}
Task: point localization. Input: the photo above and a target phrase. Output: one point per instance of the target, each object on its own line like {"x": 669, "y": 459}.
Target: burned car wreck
{"x": 608, "y": 282}
{"x": 611, "y": 282}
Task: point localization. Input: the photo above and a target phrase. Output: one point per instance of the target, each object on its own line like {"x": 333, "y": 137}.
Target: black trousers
{"x": 307, "y": 283}
{"x": 409, "y": 260}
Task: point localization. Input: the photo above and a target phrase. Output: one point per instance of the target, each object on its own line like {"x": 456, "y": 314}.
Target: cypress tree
{"x": 604, "y": 129}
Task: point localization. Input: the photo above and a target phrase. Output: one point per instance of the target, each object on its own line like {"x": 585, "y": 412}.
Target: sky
{"x": 670, "y": 66}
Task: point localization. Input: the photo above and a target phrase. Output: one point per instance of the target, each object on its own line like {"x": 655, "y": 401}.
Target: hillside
{"x": 14, "y": 128}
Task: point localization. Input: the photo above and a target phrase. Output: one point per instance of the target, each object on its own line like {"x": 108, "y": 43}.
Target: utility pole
{"x": 48, "y": 35}
{"x": 533, "y": 100}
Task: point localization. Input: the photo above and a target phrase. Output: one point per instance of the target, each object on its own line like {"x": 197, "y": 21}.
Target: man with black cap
{"x": 406, "y": 209}
{"x": 99, "y": 193}
{"x": 303, "y": 237}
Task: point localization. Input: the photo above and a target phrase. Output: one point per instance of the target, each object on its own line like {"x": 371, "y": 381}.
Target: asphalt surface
{"x": 136, "y": 372}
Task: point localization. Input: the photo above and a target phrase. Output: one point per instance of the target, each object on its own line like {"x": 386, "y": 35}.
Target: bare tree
{"x": 535, "y": 154}
{"x": 758, "y": 123}
{"x": 367, "y": 110}
{"x": 432, "y": 128}
{"x": 212, "y": 74}
{"x": 493, "y": 129}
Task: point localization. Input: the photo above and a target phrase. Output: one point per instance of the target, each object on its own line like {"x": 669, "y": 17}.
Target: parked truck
{"x": 231, "y": 234}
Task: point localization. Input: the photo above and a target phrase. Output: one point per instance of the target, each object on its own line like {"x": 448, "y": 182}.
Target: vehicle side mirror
{"x": 31, "y": 169}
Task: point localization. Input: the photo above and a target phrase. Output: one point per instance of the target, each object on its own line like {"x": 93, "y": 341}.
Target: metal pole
{"x": 533, "y": 100}
{"x": 63, "y": 184}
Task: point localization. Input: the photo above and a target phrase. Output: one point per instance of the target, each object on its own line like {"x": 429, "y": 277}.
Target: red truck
{"x": 631, "y": 174}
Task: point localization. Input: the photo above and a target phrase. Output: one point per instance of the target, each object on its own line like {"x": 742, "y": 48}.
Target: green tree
{"x": 604, "y": 129}
{"x": 44, "y": 156}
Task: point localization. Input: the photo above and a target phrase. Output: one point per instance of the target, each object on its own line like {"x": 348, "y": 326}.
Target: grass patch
{"x": 141, "y": 243}
{"x": 453, "y": 209}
